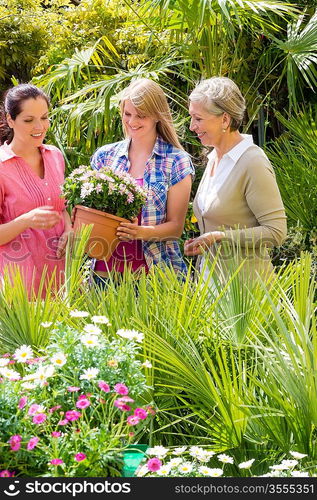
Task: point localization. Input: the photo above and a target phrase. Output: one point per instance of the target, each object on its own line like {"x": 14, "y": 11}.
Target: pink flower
{"x": 82, "y": 404}
{"x": 63, "y": 422}
{"x": 22, "y": 402}
{"x": 121, "y": 405}
{"x": 121, "y": 389}
{"x": 85, "y": 396}
{"x": 54, "y": 408}
{"x": 73, "y": 388}
{"x": 154, "y": 464}
{"x": 79, "y": 457}
{"x": 72, "y": 415}
{"x": 56, "y": 434}
{"x": 32, "y": 443}
{"x": 141, "y": 413}
{"x": 39, "y": 418}
{"x": 133, "y": 420}
{"x": 103, "y": 386}
{"x": 126, "y": 399}
{"x": 150, "y": 409}
{"x": 33, "y": 409}
{"x": 56, "y": 461}
{"x": 15, "y": 442}
{"x": 6, "y": 473}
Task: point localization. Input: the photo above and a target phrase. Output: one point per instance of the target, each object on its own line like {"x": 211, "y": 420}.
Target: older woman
{"x": 238, "y": 200}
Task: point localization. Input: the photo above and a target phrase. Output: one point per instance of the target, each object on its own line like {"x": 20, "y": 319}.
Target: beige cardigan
{"x": 248, "y": 208}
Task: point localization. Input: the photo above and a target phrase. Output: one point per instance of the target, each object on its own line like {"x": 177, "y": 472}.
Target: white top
{"x": 211, "y": 184}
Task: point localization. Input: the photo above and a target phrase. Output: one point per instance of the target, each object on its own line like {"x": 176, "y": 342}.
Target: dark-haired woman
{"x": 34, "y": 224}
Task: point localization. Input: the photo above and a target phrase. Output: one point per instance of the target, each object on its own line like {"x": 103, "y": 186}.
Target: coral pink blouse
{"x": 21, "y": 190}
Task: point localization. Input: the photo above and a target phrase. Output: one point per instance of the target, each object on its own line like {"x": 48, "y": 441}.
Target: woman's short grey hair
{"x": 221, "y": 95}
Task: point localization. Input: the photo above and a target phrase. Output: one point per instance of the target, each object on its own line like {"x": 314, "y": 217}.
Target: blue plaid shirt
{"x": 167, "y": 166}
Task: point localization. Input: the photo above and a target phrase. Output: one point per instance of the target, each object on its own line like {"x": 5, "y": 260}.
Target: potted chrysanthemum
{"x": 103, "y": 198}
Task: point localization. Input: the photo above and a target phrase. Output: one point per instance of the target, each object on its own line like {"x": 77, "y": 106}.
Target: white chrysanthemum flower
{"x": 46, "y": 324}
{"x": 142, "y": 471}
{"x": 4, "y": 362}
{"x": 204, "y": 456}
{"x": 101, "y": 319}
{"x": 9, "y": 373}
{"x": 225, "y": 458}
{"x": 78, "y": 314}
{"x": 185, "y": 468}
{"x": 28, "y": 385}
{"x": 23, "y": 353}
{"x": 59, "y": 359}
{"x": 131, "y": 335}
{"x": 215, "y": 472}
{"x": 157, "y": 451}
{"x": 297, "y": 455}
{"x": 289, "y": 463}
{"x": 194, "y": 451}
{"x": 246, "y": 465}
{"x": 278, "y": 467}
{"x": 90, "y": 340}
{"x": 180, "y": 450}
{"x": 205, "y": 471}
{"x": 89, "y": 374}
{"x": 299, "y": 473}
{"x": 92, "y": 329}
{"x": 42, "y": 374}
{"x": 174, "y": 462}
{"x": 147, "y": 364}
{"x": 164, "y": 470}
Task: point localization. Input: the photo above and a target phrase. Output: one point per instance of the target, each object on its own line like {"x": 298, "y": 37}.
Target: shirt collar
{"x": 6, "y": 152}
{"x": 159, "y": 148}
{"x": 237, "y": 151}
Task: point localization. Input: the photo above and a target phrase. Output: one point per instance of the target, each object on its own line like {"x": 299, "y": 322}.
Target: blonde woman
{"x": 238, "y": 200}
{"x": 153, "y": 155}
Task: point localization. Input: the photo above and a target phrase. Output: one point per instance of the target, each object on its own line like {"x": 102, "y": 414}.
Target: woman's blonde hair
{"x": 148, "y": 97}
{"x": 221, "y": 95}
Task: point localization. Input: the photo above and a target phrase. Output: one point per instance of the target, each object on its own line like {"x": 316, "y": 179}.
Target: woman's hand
{"x": 62, "y": 242}
{"x": 197, "y": 246}
{"x": 130, "y": 231}
{"x": 41, "y": 218}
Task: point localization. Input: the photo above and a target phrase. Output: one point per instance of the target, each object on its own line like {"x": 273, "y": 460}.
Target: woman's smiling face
{"x": 31, "y": 124}
{"x": 136, "y": 124}
{"x": 207, "y": 126}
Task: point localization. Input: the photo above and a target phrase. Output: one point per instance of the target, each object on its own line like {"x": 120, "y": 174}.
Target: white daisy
{"x": 179, "y": 451}
{"x": 205, "y": 471}
{"x": 185, "y": 468}
{"x": 23, "y": 353}
{"x": 297, "y": 455}
{"x": 59, "y": 359}
{"x": 142, "y": 471}
{"x": 4, "y": 362}
{"x": 42, "y": 374}
{"x": 158, "y": 451}
{"x": 203, "y": 456}
{"x": 147, "y": 364}
{"x": 215, "y": 472}
{"x": 174, "y": 462}
{"x": 89, "y": 374}
{"x": 90, "y": 340}
{"x": 278, "y": 467}
{"x": 101, "y": 319}
{"x": 289, "y": 463}
{"x": 9, "y": 373}
{"x": 194, "y": 451}
{"x": 246, "y": 465}
{"x": 28, "y": 385}
{"x": 46, "y": 324}
{"x": 164, "y": 471}
{"x": 78, "y": 314}
{"x": 225, "y": 458}
{"x": 92, "y": 329}
{"x": 299, "y": 473}
{"x": 131, "y": 335}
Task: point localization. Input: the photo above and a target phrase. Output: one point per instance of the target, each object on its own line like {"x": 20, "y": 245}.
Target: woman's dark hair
{"x": 12, "y": 104}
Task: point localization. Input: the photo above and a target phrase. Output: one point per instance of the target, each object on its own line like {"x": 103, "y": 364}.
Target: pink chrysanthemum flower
{"x": 72, "y": 415}
{"x": 103, "y": 386}
{"x": 73, "y": 388}
{"x": 33, "y": 409}
{"x": 39, "y": 418}
{"x": 121, "y": 389}
{"x": 154, "y": 464}
{"x": 32, "y": 443}
{"x": 140, "y": 413}
{"x": 15, "y": 442}
{"x": 79, "y": 457}
{"x": 133, "y": 420}
{"x": 56, "y": 434}
{"x": 56, "y": 461}
{"x": 64, "y": 421}
{"x": 6, "y": 473}
{"x": 22, "y": 402}
{"x": 82, "y": 404}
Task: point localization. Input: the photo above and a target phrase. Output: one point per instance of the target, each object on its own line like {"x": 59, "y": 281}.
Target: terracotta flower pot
{"x": 103, "y": 240}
